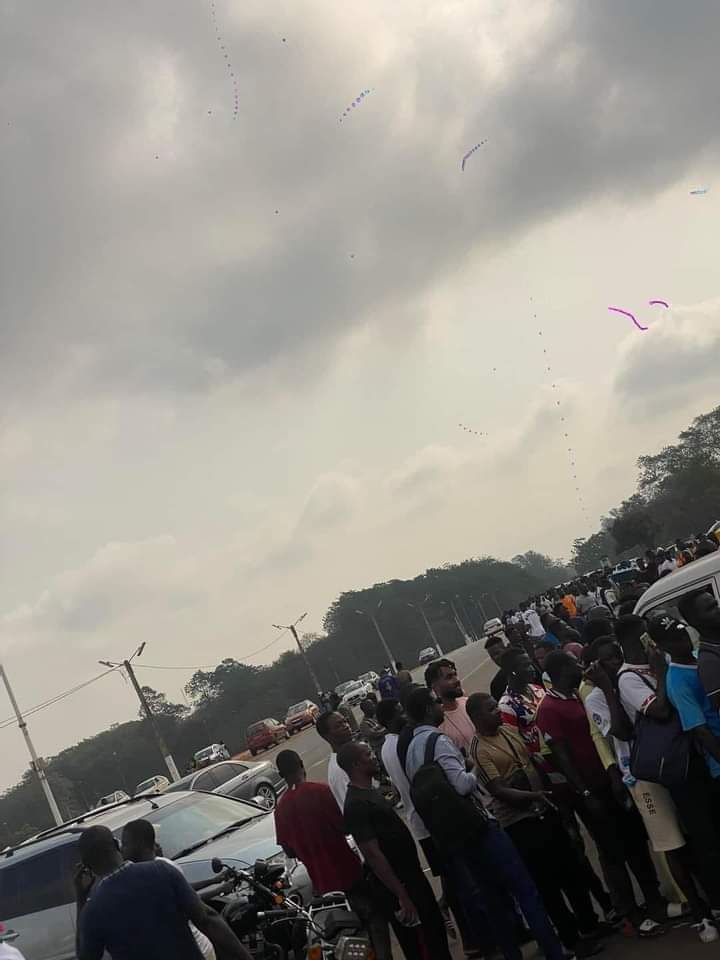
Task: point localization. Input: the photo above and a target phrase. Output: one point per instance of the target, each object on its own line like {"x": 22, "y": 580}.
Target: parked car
{"x": 664, "y": 594}
{"x": 212, "y": 754}
{"x": 303, "y": 714}
{"x": 259, "y": 782}
{"x": 265, "y": 734}
{"x": 353, "y": 692}
{"x": 427, "y": 654}
{"x": 156, "y": 784}
{"x": 37, "y": 897}
{"x": 115, "y": 797}
{"x": 370, "y": 677}
{"x": 492, "y": 626}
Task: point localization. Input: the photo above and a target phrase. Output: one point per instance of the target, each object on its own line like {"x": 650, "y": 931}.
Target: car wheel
{"x": 253, "y": 752}
{"x": 265, "y": 796}
{"x": 287, "y": 735}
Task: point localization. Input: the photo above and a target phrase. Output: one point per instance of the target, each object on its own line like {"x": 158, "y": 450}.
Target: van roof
{"x": 680, "y": 581}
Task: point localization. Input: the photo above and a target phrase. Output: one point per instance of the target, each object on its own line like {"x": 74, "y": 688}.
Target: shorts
{"x": 659, "y": 815}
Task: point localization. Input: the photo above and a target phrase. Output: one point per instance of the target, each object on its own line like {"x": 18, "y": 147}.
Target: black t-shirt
{"x": 369, "y": 816}
{"x": 498, "y": 685}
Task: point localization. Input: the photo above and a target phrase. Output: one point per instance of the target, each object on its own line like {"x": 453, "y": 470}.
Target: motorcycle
{"x": 274, "y": 926}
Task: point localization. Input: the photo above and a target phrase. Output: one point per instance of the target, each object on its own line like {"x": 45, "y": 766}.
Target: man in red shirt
{"x": 599, "y": 797}
{"x": 309, "y": 827}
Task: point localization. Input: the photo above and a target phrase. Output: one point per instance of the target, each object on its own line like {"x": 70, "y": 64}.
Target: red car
{"x": 265, "y": 734}
{"x": 303, "y": 714}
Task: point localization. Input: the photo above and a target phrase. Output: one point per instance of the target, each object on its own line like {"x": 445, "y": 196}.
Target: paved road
{"x": 476, "y": 671}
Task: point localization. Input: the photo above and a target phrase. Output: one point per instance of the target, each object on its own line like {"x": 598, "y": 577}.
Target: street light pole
{"x": 166, "y": 755}
{"x": 378, "y": 631}
{"x": 36, "y": 762}
{"x": 430, "y": 630}
{"x": 303, "y": 654}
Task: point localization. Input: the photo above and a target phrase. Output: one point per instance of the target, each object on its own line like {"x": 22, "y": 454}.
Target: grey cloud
{"x": 670, "y": 364}
{"x": 122, "y": 272}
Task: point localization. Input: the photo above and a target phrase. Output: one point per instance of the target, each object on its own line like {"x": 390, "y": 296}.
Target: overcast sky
{"x": 235, "y": 350}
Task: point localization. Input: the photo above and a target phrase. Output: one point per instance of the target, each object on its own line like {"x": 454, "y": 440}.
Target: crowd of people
{"x": 577, "y": 798}
{"x": 599, "y": 728}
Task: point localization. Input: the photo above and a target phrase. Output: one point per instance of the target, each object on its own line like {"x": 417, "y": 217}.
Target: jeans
{"x": 556, "y": 869}
{"x": 493, "y": 867}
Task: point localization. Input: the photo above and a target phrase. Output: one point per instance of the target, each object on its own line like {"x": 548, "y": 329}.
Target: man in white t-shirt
{"x": 532, "y": 619}
{"x": 335, "y": 730}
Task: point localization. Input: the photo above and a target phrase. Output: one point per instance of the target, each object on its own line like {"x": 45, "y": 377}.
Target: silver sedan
{"x": 259, "y": 782}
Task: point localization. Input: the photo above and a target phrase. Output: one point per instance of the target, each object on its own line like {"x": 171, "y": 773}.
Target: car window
{"x": 206, "y": 781}
{"x": 39, "y": 883}
{"x": 197, "y": 817}
{"x": 226, "y": 772}
{"x": 256, "y": 728}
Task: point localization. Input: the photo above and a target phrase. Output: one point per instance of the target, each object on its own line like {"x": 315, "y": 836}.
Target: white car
{"x": 492, "y": 626}
{"x": 370, "y": 677}
{"x": 157, "y": 784}
{"x": 427, "y": 654}
{"x": 117, "y": 796}
{"x": 353, "y": 692}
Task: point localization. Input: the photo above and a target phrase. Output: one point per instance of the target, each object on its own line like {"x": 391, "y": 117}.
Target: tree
{"x": 543, "y": 567}
{"x": 588, "y": 554}
{"x": 160, "y": 706}
{"x": 636, "y": 524}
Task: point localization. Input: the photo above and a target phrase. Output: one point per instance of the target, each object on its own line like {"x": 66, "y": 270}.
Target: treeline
{"x": 678, "y": 495}
{"x": 456, "y": 600}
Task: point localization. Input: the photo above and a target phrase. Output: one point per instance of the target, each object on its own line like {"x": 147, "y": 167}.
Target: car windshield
{"x": 298, "y": 708}
{"x": 342, "y": 688}
{"x": 256, "y": 728}
{"x": 204, "y": 754}
{"x": 197, "y": 818}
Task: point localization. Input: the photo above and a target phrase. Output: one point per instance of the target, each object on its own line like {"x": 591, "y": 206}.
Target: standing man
{"x": 390, "y": 853}
{"x": 388, "y": 685}
{"x": 370, "y": 730}
{"x": 503, "y": 764}
{"x": 702, "y": 612}
{"x": 345, "y": 710}
{"x": 519, "y": 704}
{"x": 531, "y": 617}
{"x": 496, "y": 648}
{"x": 309, "y": 826}
{"x": 481, "y": 856}
{"x": 599, "y": 797}
{"x": 335, "y": 730}
{"x": 141, "y": 911}
{"x": 441, "y": 677}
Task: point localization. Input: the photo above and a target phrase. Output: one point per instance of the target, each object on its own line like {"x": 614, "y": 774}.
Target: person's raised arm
{"x": 660, "y": 708}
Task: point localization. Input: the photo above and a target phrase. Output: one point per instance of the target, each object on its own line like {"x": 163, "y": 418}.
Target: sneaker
{"x": 648, "y": 928}
{"x": 614, "y": 919}
{"x": 707, "y": 931}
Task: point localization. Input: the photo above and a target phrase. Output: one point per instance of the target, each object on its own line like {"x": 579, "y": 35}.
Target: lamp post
{"x": 383, "y": 641}
{"x": 421, "y": 610}
{"x": 127, "y": 666}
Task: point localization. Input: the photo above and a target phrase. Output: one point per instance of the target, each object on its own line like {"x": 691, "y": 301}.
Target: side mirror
{"x": 216, "y": 865}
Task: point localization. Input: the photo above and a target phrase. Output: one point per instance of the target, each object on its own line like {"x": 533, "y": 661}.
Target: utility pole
{"x": 167, "y": 756}
{"x": 303, "y": 654}
{"x": 482, "y": 609}
{"x": 36, "y": 763}
{"x": 378, "y": 631}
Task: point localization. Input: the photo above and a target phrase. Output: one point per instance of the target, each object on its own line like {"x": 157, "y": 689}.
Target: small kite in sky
{"x": 470, "y": 153}
{"x": 356, "y": 103}
{"x": 699, "y": 192}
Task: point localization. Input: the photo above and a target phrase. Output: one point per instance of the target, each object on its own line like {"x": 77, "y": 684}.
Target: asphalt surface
{"x": 476, "y": 671}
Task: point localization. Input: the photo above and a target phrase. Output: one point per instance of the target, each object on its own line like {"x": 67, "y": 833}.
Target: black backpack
{"x": 451, "y": 820}
{"x": 660, "y": 751}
